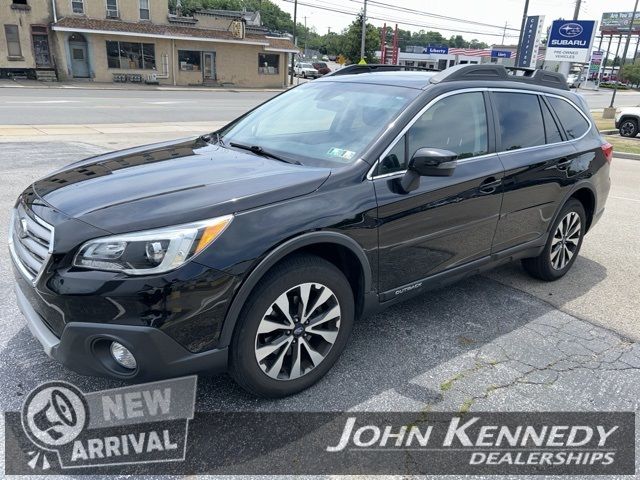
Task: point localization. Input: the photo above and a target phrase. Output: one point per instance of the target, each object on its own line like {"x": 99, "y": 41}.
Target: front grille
{"x": 30, "y": 242}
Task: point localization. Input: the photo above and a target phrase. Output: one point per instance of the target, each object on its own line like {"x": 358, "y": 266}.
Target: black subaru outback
{"x": 255, "y": 248}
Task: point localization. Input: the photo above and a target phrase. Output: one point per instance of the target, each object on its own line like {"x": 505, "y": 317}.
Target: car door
{"x": 536, "y": 159}
{"x": 447, "y": 221}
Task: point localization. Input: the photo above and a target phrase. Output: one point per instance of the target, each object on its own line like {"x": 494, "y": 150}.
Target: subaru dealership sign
{"x": 570, "y": 40}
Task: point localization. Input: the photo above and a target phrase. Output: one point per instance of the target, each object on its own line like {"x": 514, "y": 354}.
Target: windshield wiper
{"x": 258, "y": 150}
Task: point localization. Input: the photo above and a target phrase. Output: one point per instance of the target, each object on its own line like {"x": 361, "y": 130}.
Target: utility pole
{"x": 295, "y": 40}
{"x": 524, "y": 22}
{"x": 624, "y": 56}
{"x": 306, "y": 35}
{"x": 504, "y": 32}
{"x": 364, "y": 30}
{"x": 576, "y": 12}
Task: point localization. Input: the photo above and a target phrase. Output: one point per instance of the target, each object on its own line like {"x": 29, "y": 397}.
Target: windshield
{"x": 321, "y": 123}
{"x": 306, "y": 65}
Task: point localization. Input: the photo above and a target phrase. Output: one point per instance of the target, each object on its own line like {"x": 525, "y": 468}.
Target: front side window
{"x": 573, "y": 122}
{"x": 321, "y": 123}
{"x": 13, "y": 40}
{"x": 520, "y": 120}
{"x": 144, "y": 10}
{"x": 457, "y": 123}
{"x": 77, "y": 6}
{"x": 131, "y": 56}
{"x": 268, "y": 64}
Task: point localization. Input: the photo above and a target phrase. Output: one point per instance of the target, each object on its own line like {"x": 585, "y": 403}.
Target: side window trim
{"x": 372, "y": 172}
{"x": 575, "y": 107}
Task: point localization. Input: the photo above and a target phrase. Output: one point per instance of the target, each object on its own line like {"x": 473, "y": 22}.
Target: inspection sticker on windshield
{"x": 339, "y": 152}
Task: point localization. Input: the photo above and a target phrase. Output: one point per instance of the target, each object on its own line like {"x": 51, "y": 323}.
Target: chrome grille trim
{"x": 31, "y": 251}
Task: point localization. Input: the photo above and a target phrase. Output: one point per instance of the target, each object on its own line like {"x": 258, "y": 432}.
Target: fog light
{"x": 123, "y": 356}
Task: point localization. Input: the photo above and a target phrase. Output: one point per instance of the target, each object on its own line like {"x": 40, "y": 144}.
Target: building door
{"x": 79, "y": 58}
{"x": 41, "y": 50}
{"x": 209, "y": 66}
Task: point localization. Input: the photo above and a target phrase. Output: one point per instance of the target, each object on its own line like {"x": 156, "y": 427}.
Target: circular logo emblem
{"x": 54, "y": 414}
{"x": 570, "y": 30}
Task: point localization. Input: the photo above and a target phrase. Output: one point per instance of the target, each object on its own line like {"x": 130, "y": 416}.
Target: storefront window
{"x": 268, "y": 64}
{"x": 189, "y": 60}
{"x": 131, "y": 56}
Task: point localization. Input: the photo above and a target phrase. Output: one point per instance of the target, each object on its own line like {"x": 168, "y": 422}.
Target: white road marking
{"x": 165, "y": 102}
{"x": 626, "y": 198}
{"x": 22, "y": 102}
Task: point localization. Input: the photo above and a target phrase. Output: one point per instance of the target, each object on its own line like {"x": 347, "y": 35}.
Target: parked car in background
{"x": 627, "y": 121}
{"x": 305, "y": 70}
{"x": 574, "y": 80}
{"x": 255, "y": 248}
{"x": 321, "y": 67}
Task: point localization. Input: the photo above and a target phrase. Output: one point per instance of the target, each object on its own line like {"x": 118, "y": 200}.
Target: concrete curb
{"x": 63, "y": 86}
{"x": 626, "y": 156}
{"x": 609, "y": 132}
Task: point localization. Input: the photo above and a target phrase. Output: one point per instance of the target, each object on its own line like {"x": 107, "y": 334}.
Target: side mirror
{"x": 428, "y": 162}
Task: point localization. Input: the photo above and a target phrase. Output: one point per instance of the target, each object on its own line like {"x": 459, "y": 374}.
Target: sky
{"x": 493, "y": 12}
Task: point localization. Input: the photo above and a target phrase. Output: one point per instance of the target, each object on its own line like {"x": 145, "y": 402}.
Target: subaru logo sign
{"x": 570, "y": 30}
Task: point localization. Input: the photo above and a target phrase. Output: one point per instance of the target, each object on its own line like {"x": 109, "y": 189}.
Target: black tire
{"x": 299, "y": 269}
{"x": 304, "y": 75}
{"x": 541, "y": 267}
{"x": 628, "y": 128}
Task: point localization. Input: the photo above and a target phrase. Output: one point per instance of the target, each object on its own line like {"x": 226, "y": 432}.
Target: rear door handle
{"x": 489, "y": 185}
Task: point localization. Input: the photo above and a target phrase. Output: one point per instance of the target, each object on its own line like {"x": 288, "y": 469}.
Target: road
{"x": 32, "y": 106}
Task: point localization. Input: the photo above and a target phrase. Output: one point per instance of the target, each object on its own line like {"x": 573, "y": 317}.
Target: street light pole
{"x": 624, "y": 54}
{"x": 524, "y": 22}
{"x": 364, "y": 30}
{"x": 293, "y": 55}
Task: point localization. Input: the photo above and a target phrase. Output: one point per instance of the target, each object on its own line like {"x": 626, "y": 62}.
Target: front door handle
{"x": 489, "y": 185}
{"x": 563, "y": 164}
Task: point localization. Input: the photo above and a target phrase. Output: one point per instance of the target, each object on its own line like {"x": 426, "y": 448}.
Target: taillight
{"x": 607, "y": 149}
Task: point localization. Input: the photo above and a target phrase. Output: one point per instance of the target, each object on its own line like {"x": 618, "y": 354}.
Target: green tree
{"x": 631, "y": 73}
{"x": 352, "y": 41}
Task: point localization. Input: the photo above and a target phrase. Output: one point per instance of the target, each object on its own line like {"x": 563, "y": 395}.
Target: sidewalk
{"x": 87, "y": 85}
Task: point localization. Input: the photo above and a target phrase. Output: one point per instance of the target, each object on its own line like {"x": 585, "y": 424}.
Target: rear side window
{"x": 573, "y": 122}
{"x": 550, "y": 125}
{"x": 520, "y": 120}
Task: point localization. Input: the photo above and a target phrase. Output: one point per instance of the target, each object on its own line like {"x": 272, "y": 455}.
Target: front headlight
{"x": 150, "y": 251}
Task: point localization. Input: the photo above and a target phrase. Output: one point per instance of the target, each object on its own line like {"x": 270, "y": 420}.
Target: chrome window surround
{"x": 14, "y": 254}
{"x": 468, "y": 90}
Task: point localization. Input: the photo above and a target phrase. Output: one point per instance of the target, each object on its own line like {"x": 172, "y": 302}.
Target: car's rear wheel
{"x": 562, "y": 246}
{"x": 629, "y": 128}
{"x": 293, "y": 328}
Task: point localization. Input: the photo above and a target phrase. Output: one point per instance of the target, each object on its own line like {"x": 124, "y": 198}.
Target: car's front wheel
{"x": 293, "y": 328}
{"x": 562, "y": 246}
{"x": 629, "y": 128}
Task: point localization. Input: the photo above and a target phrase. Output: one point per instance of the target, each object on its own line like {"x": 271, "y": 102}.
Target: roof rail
{"x": 355, "y": 69}
{"x": 500, "y": 72}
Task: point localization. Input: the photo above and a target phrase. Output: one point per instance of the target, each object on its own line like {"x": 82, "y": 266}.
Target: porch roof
{"x": 173, "y": 32}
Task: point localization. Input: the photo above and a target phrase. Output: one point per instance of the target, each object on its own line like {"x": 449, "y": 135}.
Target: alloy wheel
{"x": 297, "y": 331}
{"x": 627, "y": 128}
{"x": 565, "y": 240}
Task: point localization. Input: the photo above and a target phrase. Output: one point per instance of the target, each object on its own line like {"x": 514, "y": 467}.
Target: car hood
{"x": 172, "y": 183}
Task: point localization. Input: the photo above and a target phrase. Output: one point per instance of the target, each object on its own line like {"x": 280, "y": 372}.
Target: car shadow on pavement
{"x": 386, "y": 352}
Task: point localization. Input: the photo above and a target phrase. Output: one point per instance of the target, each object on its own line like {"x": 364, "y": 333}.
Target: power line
{"x": 433, "y": 15}
{"x": 399, "y": 21}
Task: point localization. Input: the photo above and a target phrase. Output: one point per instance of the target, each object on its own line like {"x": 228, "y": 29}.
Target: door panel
{"x": 79, "y": 62}
{"x": 446, "y": 221}
{"x": 535, "y": 160}
{"x": 41, "y": 50}
{"x": 209, "y": 70}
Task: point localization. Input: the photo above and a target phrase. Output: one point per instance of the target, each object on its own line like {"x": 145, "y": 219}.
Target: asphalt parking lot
{"x": 498, "y": 342}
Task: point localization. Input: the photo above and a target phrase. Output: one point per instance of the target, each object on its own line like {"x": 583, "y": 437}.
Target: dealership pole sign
{"x": 570, "y": 41}
{"x": 530, "y": 42}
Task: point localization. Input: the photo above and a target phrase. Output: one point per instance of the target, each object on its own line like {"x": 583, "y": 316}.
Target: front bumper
{"x": 83, "y": 348}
